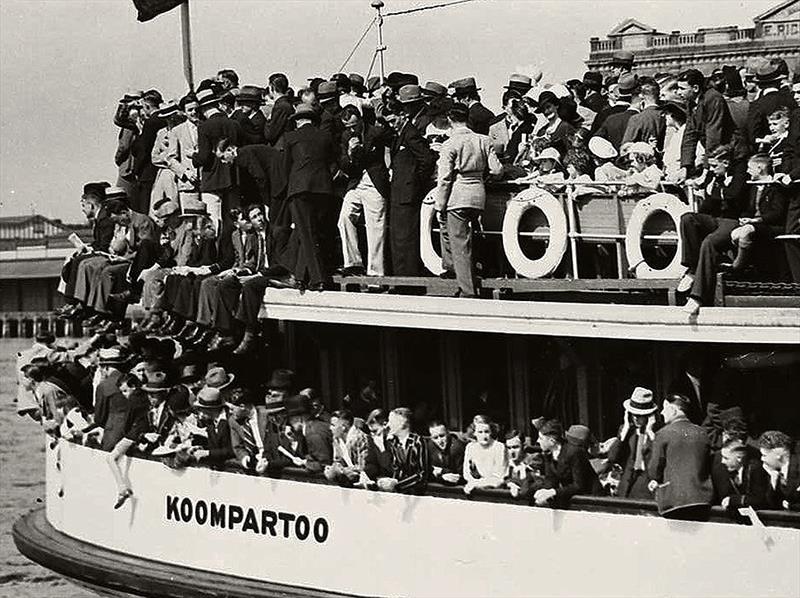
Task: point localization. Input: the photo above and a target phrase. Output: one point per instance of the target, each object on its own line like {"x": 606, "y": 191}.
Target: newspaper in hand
{"x": 76, "y": 242}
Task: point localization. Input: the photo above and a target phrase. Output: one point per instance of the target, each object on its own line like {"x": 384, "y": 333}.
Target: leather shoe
{"x": 222, "y": 342}
{"x": 354, "y": 271}
{"x": 248, "y": 345}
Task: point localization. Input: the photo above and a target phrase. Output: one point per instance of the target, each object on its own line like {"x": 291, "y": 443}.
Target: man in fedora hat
{"x": 460, "y": 195}
{"x": 311, "y": 158}
{"x": 412, "y": 169}
{"x": 631, "y": 449}
{"x": 368, "y": 190}
{"x": 249, "y": 116}
{"x": 282, "y": 110}
{"x": 466, "y": 91}
{"x": 213, "y": 417}
{"x": 520, "y": 84}
{"x": 769, "y": 78}
{"x": 316, "y": 433}
{"x": 330, "y": 123}
{"x": 412, "y": 101}
{"x": 621, "y": 62}
{"x": 217, "y": 180}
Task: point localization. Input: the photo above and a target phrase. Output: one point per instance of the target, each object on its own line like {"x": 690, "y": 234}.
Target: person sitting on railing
{"x": 110, "y": 406}
{"x": 706, "y": 234}
{"x": 768, "y": 208}
{"x": 410, "y": 466}
{"x": 739, "y": 478}
{"x": 567, "y": 468}
{"x": 679, "y": 465}
{"x": 632, "y": 448}
{"x": 350, "y": 452}
{"x": 485, "y": 459}
{"x": 783, "y": 466}
{"x": 643, "y": 175}
{"x": 446, "y": 454}
{"x": 522, "y": 478}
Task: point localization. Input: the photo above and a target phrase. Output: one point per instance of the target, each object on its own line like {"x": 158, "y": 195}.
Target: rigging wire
{"x": 421, "y": 8}
{"x": 372, "y": 64}
{"x": 358, "y": 43}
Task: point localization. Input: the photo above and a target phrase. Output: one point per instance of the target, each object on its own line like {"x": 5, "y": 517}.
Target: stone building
{"x": 775, "y": 34}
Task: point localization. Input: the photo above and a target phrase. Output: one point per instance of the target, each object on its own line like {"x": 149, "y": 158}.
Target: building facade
{"x": 775, "y": 34}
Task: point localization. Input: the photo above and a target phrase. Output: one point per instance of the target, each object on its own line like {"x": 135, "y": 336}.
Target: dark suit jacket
{"x": 331, "y": 123}
{"x": 614, "y": 127}
{"x": 219, "y": 443}
{"x": 479, "y": 119}
{"x": 595, "y": 102}
{"x": 266, "y": 428}
{"x": 412, "y": 166}
{"x": 102, "y": 230}
{"x": 252, "y": 126}
{"x": 214, "y": 175}
{"x": 624, "y": 454}
{"x": 278, "y": 122}
{"x": 709, "y": 122}
{"x": 752, "y": 492}
{"x": 726, "y": 201}
{"x": 451, "y": 458}
{"x": 370, "y": 156}
{"x": 681, "y": 462}
{"x": 379, "y": 463}
{"x": 560, "y": 138}
{"x": 264, "y": 165}
{"x": 309, "y": 155}
{"x": 319, "y": 444}
{"x": 773, "y": 204}
{"x": 647, "y": 124}
{"x": 142, "y": 149}
{"x": 760, "y": 109}
{"x": 603, "y": 115}
{"x": 571, "y": 474}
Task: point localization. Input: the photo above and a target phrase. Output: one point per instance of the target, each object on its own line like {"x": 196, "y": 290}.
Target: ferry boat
{"x": 570, "y": 346}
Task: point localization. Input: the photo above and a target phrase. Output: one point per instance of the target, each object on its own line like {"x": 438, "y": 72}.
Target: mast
{"x": 186, "y": 38}
{"x": 380, "y": 48}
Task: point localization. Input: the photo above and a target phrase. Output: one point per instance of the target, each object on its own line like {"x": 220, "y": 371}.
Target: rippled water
{"x": 21, "y": 489}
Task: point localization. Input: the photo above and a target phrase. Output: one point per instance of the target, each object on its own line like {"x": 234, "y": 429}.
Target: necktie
{"x": 247, "y": 436}
{"x": 638, "y": 463}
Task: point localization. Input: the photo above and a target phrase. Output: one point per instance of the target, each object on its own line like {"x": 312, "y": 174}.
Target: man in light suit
{"x": 183, "y": 147}
{"x": 680, "y": 464}
{"x": 464, "y": 161}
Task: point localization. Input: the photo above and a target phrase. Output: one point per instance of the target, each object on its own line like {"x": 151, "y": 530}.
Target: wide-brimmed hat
{"x": 218, "y": 378}
{"x": 250, "y": 94}
{"x": 157, "y": 386}
{"x": 281, "y": 379}
{"x": 627, "y": 84}
{"x": 432, "y": 88}
{"x": 305, "y": 112}
{"x": 209, "y": 398}
{"x": 327, "y": 90}
{"x": 602, "y": 148}
{"x": 465, "y": 85}
{"x": 621, "y": 58}
{"x": 641, "y": 402}
{"x": 547, "y": 97}
{"x": 768, "y": 72}
{"x": 207, "y": 97}
{"x": 112, "y": 356}
{"x": 409, "y": 94}
{"x": 548, "y": 153}
{"x": 520, "y": 83}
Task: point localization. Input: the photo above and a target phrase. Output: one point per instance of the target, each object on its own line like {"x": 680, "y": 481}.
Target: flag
{"x": 150, "y": 9}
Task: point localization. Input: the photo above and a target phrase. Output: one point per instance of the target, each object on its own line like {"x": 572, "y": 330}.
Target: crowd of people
{"x": 143, "y": 396}
{"x": 233, "y": 189}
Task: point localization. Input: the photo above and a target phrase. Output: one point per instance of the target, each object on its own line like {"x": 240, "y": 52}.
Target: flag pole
{"x": 378, "y": 5}
{"x": 186, "y": 37}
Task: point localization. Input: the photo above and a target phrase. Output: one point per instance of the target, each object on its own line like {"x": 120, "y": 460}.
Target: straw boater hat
{"x": 548, "y": 153}
{"x": 432, "y": 88}
{"x": 117, "y": 193}
{"x": 167, "y": 109}
{"x": 157, "y": 386}
{"x": 465, "y": 85}
{"x": 520, "y": 83}
{"x": 207, "y": 97}
{"x": 641, "y": 402}
{"x": 218, "y": 378}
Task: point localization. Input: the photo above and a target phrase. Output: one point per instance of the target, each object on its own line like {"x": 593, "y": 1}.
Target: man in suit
{"x": 212, "y": 416}
{"x": 316, "y": 433}
{"x": 350, "y": 451}
{"x": 464, "y": 161}
{"x": 445, "y": 454}
{"x": 142, "y": 150}
{"x": 251, "y": 119}
{"x": 282, "y": 110}
{"x": 567, "y": 468}
{"x": 412, "y": 164}
{"x": 410, "y": 464}
{"x": 769, "y": 78}
{"x": 632, "y": 449}
{"x": 738, "y": 478}
{"x": 790, "y": 171}
{"x": 254, "y": 430}
{"x": 783, "y": 467}
{"x": 363, "y": 161}
{"x": 648, "y": 124}
{"x": 615, "y": 125}
{"x": 679, "y": 466}
{"x": 479, "y": 117}
{"x": 183, "y": 147}
{"x": 310, "y": 162}
{"x": 594, "y": 100}
{"x": 217, "y": 179}
{"x": 709, "y": 121}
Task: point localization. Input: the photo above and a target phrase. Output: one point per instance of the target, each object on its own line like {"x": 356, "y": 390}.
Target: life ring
{"x": 427, "y": 216}
{"x": 552, "y": 209}
{"x": 660, "y": 202}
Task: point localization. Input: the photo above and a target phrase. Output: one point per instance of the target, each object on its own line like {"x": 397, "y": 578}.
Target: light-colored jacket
{"x": 464, "y": 162}
{"x": 182, "y": 146}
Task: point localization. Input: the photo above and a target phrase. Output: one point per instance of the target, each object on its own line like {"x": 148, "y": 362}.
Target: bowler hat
{"x": 593, "y": 79}
{"x": 628, "y": 84}
{"x": 520, "y": 83}
{"x": 218, "y": 378}
{"x": 250, "y": 94}
{"x": 465, "y": 85}
{"x": 306, "y": 112}
{"x": 409, "y": 94}
{"x": 207, "y": 97}
{"x": 281, "y": 379}
{"x": 622, "y": 58}
{"x": 208, "y": 398}
{"x": 432, "y": 88}
{"x": 327, "y": 90}
{"x": 641, "y": 402}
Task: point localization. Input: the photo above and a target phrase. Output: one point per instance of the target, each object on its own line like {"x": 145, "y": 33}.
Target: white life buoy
{"x": 660, "y": 202}
{"x": 427, "y": 217}
{"x": 552, "y": 209}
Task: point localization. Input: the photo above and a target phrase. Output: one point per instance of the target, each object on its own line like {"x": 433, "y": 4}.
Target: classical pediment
{"x": 785, "y": 11}
{"x": 631, "y": 27}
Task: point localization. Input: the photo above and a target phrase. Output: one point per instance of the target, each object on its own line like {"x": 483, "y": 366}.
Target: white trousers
{"x": 373, "y": 205}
